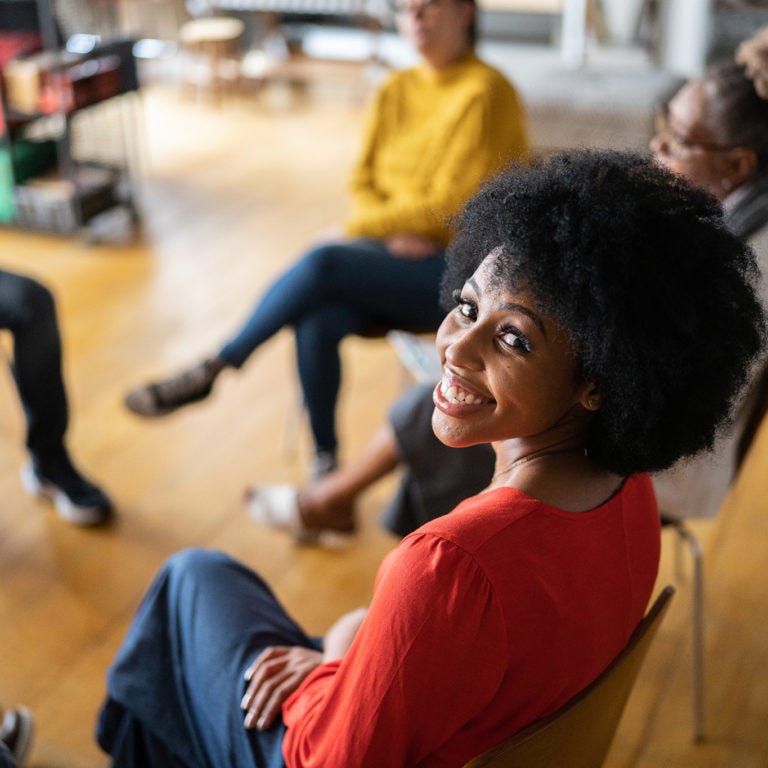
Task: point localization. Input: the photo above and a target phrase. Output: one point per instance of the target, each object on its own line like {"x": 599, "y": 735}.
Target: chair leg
{"x": 698, "y": 626}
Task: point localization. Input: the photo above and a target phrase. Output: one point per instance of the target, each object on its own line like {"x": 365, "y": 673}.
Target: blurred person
{"x": 28, "y": 311}
{"x": 434, "y": 133}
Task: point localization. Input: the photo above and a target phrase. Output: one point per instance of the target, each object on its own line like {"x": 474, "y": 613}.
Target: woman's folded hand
{"x": 275, "y": 674}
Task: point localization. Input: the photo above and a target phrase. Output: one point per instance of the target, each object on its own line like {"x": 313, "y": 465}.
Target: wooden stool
{"x": 213, "y": 38}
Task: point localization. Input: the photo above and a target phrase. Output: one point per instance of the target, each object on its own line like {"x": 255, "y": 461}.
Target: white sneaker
{"x": 76, "y": 499}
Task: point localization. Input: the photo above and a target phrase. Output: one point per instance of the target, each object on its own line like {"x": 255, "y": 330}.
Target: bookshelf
{"x": 66, "y": 121}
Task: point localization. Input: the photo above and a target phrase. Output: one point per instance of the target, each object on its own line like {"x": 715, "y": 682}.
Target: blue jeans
{"x": 174, "y": 690}
{"x": 28, "y": 311}
{"x": 333, "y": 291}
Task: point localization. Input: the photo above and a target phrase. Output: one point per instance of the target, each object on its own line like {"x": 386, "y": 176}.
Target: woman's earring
{"x": 727, "y": 185}
{"x": 593, "y": 402}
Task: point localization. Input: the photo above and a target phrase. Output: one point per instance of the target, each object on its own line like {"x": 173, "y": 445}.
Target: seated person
{"x": 715, "y": 134}
{"x": 564, "y": 351}
{"x": 435, "y": 132}
{"x": 28, "y": 311}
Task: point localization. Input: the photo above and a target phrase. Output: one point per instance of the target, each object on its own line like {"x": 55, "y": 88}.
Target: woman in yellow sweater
{"x": 435, "y": 132}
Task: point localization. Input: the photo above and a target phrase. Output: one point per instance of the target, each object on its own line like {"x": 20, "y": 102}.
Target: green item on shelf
{"x": 7, "y": 204}
{"x": 32, "y": 158}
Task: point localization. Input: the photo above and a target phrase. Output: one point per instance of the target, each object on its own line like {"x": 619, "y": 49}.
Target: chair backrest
{"x": 580, "y": 733}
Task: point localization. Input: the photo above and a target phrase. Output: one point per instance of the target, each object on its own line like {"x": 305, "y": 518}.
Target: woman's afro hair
{"x": 637, "y": 266}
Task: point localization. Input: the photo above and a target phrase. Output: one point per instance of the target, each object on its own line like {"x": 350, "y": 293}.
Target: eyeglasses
{"x": 678, "y": 146}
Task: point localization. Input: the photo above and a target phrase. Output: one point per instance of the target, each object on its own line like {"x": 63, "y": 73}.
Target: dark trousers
{"x": 336, "y": 290}
{"x": 28, "y": 311}
{"x": 174, "y": 690}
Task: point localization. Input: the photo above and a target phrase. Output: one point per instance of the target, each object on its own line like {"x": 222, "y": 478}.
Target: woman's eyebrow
{"x": 528, "y": 313}
{"x": 512, "y": 307}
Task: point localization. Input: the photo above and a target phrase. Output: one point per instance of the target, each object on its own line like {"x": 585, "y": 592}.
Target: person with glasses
{"x": 714, "y": 133}
{"x": 434, "y": 133}
{"x": 560, "y": 347}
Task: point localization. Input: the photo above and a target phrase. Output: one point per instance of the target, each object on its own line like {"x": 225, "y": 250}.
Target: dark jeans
{"x": 28, "y": 311}
{"x": 174, "y": 690}
{"x": 333, "y": 291}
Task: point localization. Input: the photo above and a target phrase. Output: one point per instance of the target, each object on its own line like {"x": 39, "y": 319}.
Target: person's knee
{"x": 36, "y": 300}
{"x": 195, "y": 563}
{"x": 325, "y": 261}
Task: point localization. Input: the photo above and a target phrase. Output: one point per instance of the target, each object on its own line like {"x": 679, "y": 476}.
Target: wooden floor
{"x": 231, "y": 196}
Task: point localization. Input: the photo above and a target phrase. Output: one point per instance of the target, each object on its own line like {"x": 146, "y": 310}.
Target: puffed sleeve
{"x": 428, "y": 658}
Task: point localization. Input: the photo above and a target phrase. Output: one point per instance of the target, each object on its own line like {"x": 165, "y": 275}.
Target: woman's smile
{"x": 454, "y": 397}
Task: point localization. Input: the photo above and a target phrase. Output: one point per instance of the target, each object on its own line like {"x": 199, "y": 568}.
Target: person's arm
{"x": 429, "y": 656}
{"x": 365, "y": 194}
{"x": 362, "y": 180}
{"x": 339, "y": 637}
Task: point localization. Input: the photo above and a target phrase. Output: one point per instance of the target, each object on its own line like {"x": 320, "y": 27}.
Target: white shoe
{"x": 76, "y": 499}
{"x": 277, "y": 506}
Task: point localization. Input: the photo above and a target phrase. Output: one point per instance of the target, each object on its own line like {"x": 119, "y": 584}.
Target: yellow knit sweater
{"x": 431, "y": 138}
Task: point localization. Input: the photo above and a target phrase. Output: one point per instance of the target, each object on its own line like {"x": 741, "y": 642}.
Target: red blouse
{"x": 481, "y": 622}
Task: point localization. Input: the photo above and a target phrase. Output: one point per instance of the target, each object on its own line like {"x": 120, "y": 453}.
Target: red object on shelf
{"x": 15, "y": 44}
{"x": 55, "y": 93}
{"x": 48, "y": 84}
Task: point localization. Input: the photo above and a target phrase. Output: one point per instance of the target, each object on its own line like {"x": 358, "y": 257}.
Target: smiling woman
{"x": 592, "y": 295}
{"x": 508, "y": 369}
{"x": 624, "y": 267}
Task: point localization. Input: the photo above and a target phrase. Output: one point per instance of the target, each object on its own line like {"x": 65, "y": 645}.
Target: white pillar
{"x": 574, "y": 32}
{"x": 622, "y": 18}
{"x": 685, "y": 26}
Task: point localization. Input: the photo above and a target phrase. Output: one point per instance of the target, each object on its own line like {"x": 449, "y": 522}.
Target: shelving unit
{"x": 67, "y": 121}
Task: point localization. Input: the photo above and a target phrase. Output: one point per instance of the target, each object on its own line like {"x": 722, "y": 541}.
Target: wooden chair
{"x": 579, "y": 734}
